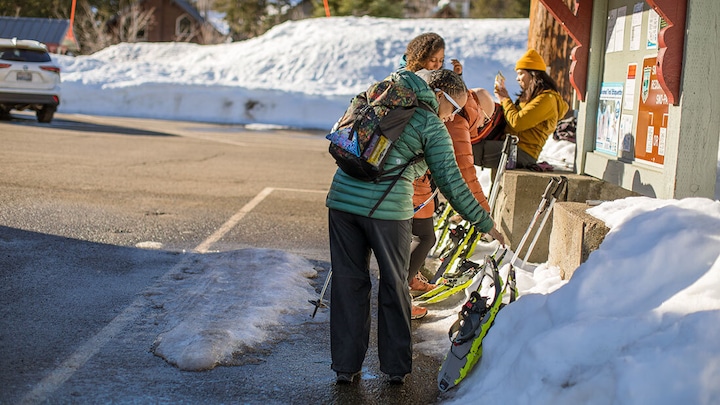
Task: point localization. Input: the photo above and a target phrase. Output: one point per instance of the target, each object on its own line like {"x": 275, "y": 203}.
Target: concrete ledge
{"x": 520, "y": 195}
{"x": 575, "y": 234}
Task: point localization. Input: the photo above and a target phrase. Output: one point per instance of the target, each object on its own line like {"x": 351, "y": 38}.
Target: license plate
{"x": 24, "y": 76}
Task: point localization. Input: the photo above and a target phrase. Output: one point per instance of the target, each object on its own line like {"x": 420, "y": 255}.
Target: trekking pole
{"x": 319, "y": 302}
{"x": 498, "y": 175}
{"x": 426, "y": 202}
{"x": 552, "y": 184}
{"x": 558, "y": 190}
{"x": 510, "y": 140}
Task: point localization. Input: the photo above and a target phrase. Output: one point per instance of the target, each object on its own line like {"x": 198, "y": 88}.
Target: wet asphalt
{"x": 77, "y": 324}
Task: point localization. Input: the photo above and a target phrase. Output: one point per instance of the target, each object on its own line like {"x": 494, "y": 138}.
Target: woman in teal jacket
{"x": 354, "y": 234}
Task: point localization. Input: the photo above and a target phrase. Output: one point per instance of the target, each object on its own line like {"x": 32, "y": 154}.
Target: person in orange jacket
{"x": 460, "y": 126}
{"x": 532, "y": 117}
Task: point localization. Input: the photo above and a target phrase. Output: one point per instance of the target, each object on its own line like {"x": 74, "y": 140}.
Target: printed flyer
{"x": 608, "y": 119}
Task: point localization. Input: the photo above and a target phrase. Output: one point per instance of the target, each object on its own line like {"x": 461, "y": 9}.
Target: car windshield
{"x": 23, "y": 55}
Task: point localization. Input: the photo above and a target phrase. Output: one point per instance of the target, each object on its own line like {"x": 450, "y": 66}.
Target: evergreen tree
{"x": 374, "y": 8}
{"x": 248, "y": 19}
{"x": 33, "y": 8}
{"x": 49, "y": 8}
{"x": 500, "y": 8}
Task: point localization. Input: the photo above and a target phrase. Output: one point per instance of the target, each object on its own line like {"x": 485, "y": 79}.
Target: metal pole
{"x": 319, "y": 302}
{"x": 558, "y": 190}
{"x": 495, "y": 188}
{"x": 541, "y": 207}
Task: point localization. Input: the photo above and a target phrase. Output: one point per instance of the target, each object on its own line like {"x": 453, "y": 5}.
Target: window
{"x": 23, "y": 55}
{"x": 184, "y": 27}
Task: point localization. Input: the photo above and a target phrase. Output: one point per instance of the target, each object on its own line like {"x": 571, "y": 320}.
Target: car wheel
{"x": 45, "y": 114}
{"x": 5, "y": 114}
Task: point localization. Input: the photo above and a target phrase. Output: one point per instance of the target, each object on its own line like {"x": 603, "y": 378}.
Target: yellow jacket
{"x": 534, "y": 121}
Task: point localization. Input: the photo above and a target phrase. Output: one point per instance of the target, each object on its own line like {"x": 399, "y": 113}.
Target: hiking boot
{"x": 398, "y": 379}
{"x": 417, "y": 312}
{"x": 418, "y": 286}
{"x": 346, "y": 378}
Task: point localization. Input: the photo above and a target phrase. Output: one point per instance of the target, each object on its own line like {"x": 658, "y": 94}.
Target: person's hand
{"x": 497, "y": 236}
{"x": 501, "y": 92}
{"x": 457, "y": 66}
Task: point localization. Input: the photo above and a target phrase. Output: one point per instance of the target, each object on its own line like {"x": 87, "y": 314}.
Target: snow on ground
{"x": 299, "y": 74}
{"x": 638, "y": 322}
{"x": 214, "y": 309}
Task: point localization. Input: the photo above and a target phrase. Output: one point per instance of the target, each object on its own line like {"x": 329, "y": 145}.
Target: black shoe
{"x": 346, "y": 378}
{"x": 398, "y": 379}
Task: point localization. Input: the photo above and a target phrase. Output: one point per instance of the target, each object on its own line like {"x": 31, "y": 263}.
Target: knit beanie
{"x": 531, "y": 61}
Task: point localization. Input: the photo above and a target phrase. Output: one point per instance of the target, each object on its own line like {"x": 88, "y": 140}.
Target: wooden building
{"x": 175, "y": 21}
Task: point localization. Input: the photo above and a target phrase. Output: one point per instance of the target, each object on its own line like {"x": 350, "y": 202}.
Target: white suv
{"x": 28, "y": 79}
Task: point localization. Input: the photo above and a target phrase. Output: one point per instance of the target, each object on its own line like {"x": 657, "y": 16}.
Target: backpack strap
{"x": 425, "y": 106}
{"x": 395, "y": 180}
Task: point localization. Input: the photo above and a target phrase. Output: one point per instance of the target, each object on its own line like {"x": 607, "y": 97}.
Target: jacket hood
{"x": 415, "y": 83}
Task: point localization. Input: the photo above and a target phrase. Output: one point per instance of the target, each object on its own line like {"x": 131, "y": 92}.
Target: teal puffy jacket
{"x": 425, "y": 134}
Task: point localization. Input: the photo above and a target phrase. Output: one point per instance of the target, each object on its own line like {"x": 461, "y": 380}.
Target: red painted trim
{"x": 578, "y": 26}
{"x": 671, "y": 42}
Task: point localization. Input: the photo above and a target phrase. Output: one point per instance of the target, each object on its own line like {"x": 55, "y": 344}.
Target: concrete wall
{"x": 575, "y": 234}
{"x": 519, "y": 198}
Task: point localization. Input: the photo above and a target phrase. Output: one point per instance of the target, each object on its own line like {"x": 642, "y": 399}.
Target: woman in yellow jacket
{"x": 532, "y": 117}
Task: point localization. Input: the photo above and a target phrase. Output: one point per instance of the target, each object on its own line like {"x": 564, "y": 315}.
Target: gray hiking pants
{"x": 352, "y": 238}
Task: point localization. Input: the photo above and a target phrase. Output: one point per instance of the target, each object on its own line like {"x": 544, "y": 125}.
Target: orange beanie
{"x": 531, "y": 61}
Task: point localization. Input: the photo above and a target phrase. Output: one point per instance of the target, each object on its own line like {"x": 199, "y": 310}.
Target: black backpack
{"x": 362, "y": 138}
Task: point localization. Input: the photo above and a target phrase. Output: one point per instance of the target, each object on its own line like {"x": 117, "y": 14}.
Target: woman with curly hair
{"x": 425, "y": 51}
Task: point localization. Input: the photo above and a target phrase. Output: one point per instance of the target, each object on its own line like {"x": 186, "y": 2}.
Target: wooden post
{"x": 552, "y": 42}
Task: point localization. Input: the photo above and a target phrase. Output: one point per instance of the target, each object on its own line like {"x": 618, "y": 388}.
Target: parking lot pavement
{"x": 97, "y": 211}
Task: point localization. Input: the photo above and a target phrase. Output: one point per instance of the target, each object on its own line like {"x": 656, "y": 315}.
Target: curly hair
{"x": 447, "y": 81}
{"x": 421, "y": 48}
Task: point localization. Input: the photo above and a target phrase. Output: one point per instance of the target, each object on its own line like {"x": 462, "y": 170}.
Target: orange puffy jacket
{"x": 460, "y": 128}
{"x": 422, "y": 193}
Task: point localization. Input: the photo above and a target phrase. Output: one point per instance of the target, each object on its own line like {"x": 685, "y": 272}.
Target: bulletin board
{"x": 632, "y": 116}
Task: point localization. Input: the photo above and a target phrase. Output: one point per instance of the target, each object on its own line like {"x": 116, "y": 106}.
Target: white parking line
{"x": 227, "y": 226}
{"x": 92, "y": 346}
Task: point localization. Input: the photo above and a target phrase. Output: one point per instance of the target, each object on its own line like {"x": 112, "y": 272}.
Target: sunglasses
{"x": 453, "y": 102}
